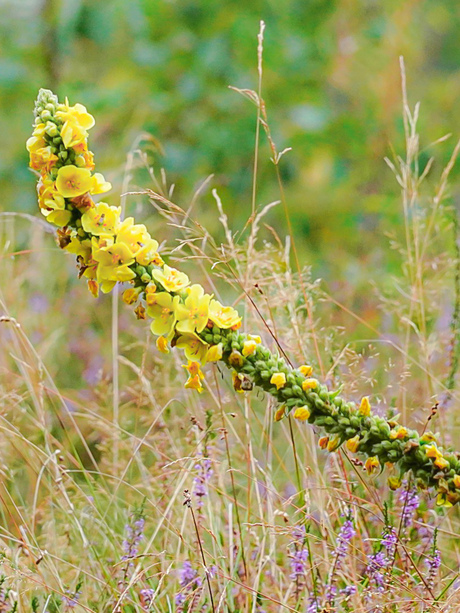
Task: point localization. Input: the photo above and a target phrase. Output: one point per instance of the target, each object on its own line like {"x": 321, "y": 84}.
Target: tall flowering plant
{"x": 109, "y": 249}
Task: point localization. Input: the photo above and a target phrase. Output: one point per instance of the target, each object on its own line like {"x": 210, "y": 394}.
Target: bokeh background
{"x": 331, "y": 85}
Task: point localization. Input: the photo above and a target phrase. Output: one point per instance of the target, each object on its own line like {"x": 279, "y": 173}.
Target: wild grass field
{"x": 124, "y": 491}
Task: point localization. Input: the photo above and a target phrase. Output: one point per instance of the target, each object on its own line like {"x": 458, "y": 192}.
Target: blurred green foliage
{"x": 331, "y": 84}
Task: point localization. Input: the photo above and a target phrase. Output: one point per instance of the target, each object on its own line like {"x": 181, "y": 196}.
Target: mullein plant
{"x": 183, "y": 316}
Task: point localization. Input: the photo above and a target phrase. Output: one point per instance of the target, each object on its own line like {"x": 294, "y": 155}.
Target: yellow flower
{"x": 441, "y": 463}
{"x": 139, "y": 311}
{"x": 72, "y": 181}
{"x": 76, "y": 113}
{"x": 235, "y": 359}
{"x": 194, "y": 383}
{"x": 278, "y": 379}
{"x": 371, "y": 465}
{"x": 59, "y": 218}
{"x": 309, "y": 384}
{"x": 43, "y": 159}
{"x": 365, "y": 406}
{"x": 162, "y": 344}
{"x": 193, "y": 313}
{"x": 150, "y": 290}
{"x": 194, "y": 348}
{"x": 147, "y": 254}
{"x": 249, "y": 347}
{"x": 306, "y": 370}
{"x": 398, "y": 433}
{"x": 333, "y": 443}
{"x": 394, "y": 483}
{"x": 215, "y": 353}
{"x": 101, "y": 219}
{"x": 193, "y": 369}
{"x": 80, "y": 248}
{"x": 171, "y": 279}
{"x": 433, "y": 452}
{"x": 323, "y": 441}
{"x": 131, "y": 295}
{"x": 255, "y": 337}
{"x": 353, "y": 443}
{"x": 93, "y": 287}
{"x": 237, "y": 379}
{"x": 456, "y": 481}
{"x": 162, "y": 309}
{"x": 114, "y": 260}
{"x": 280, "y": 412}
{"x": 223, "y": 316}
{"x": 428, "y": 437}
{"x": 302, "y": 413}
{"x": 77, "y": 121}
{"x": 442, "y": 501}
{"x": 99, "y": 185}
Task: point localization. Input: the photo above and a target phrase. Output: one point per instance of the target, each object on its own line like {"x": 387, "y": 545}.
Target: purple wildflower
{"x": 409, "y": 504}
{"x": 134, "y": 533}
{"x": 389, "y": 541}
{"x": 71, "y": 600}
{"x": 189, "y": 581}
{"x": 375, "y": 569}
{"x": 348, "y": 591}
{"x": 205, "y": 472}
{"x": 146, "y": 596}
{"x": 346, "y": 533}
{"x": 433, "y": 563}
{"x": 298, "y": 560}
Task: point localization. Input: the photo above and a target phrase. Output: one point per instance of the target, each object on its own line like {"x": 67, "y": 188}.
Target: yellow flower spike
{"x": 131, "y": 295}
{"x": 249, "y": 347}
{"x": 441, "y": 463}
{"x": 194, "y": 348}
{"x": 93, "y": 287}
{"x": 99, "y": 185}
{"x": 72, "y": 181}
{"x": 224, "y": 316}
{"x": 215, "y": 353}
{"x": 394, "y": 483}
{"x": 353, "y": 443}
{"x": 101, "y": 219}
{"x": 193, "y": 313}
{"x": 162, "y": 344}
{"x": 456, "y": 481}
{"x": 398, "y": 433}
{"x": 302, "y": 413}
{"x": 309, "y": 384}
{"x": 280, "y": 413}
{"x": 323, "y": 441}
{"x": 162, "y": 311}
{"x": 278, "y": 379}
{"x": 333, "y": 444}
{"x": 139, "y": 312}
{"x": 194, "y": 383}
{"x": 306, "y": 370}
{"x": 371, "y": 465}
{"x": 171, "y": 279}
{"x": 365, "y": 406}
